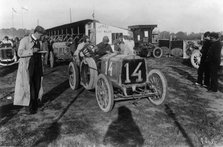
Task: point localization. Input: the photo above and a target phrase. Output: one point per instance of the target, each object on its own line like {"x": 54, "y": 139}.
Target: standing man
{"x": 213, "y": 60}
{"x": 203, "y": 78}
{"x": 28, "y": 80}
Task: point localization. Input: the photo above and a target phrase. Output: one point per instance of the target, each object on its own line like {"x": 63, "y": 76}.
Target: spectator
{"x": 45, "y": 48}
{"x": 203, "y": 78}
{"x": 28, "y": 81}
{"x": 16, "y": 45}
{"x": 213, "y": 60}
{"x": 73, "y": 45}
{"x": 117, "y": 44}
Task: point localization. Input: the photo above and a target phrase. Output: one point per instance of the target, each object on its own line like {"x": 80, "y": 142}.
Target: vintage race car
{"x": 7, "y": 55}
{"x": 148, "y": 49}
{"x": 61, "y": 52}
{"x": 118, "y": 77}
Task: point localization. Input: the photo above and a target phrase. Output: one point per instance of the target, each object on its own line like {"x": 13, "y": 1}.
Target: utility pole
{"x": 70, "y": 16}
{"x": 12, "y": 18}
{"x": 22, "y": 18}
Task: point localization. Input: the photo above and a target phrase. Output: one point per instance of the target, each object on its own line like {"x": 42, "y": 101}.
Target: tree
{"x": 164, "y": 35}
{"x": 181, "y": 35}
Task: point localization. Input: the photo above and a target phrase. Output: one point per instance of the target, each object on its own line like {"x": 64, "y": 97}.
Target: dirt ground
{"x": 190, "y": 116}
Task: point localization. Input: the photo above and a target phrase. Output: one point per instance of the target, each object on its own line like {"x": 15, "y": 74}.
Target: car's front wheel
{"x": 158, "y": 86}
{"x": 104, "y": 93}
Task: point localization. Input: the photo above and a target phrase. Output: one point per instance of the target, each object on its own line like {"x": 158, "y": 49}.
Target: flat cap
{"x": 40, "y": 29}
{"x": 105, "y": 39}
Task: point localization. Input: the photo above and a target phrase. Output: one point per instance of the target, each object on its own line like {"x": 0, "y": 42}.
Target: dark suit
{"x": 103, "y": 48}
{"x": 203, "y": 73}
{"x": 35, "y": 73}
{"x": 213, "y": 60}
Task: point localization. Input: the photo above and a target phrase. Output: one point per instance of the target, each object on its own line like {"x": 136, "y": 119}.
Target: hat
{"x": 6, "y": 37}
{"x": 214, "y": 35}
{"x": 40, "y": 29}
{"x": 206, "y": 34}
{"x": 105, "y": 39}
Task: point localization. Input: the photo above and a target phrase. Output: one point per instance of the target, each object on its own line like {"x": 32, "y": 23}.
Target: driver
{"x": 103, "y": 48}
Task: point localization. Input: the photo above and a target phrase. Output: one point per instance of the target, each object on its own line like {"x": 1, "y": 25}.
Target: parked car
{"x": 7, "y": 55}
{"x": 146, "y": 44}
{"x": 116, "y": 77}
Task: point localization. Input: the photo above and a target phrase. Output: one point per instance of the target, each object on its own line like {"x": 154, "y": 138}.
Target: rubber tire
{"x": 196, "y": 55}
{"x": 164, "y": 85}
{"x": 110, "y": 93}
{"x": 51, "y": 59}
{"x": 160, "y": 52}
{"x": 74, "y": 76}
{"x": 93, "y": 73}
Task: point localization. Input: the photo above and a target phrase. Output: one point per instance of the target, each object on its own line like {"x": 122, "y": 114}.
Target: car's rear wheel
{"x": 74, "y": 78}
{"x": 195, "y": 58}
{"x": 157, "y": 52}
{"x": 104, "y": 93}
{"x": 89, "y": 73}
{"x": 158, "y": 85}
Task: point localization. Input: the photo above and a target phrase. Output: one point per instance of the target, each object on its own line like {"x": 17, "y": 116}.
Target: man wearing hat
{"x": 28, "y": 80}
{"x": 203, "y": 78}
{"x": 213, "y": 60}
{"x": 103, "y": 48}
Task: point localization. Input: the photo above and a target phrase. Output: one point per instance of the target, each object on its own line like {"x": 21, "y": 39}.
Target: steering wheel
{"x": 86, "y": 51}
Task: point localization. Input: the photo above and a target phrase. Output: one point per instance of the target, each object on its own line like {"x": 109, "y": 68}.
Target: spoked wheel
{"x": 74, "y": 79}
{"x": 195, "y": 58}
{"x": 104, "y": 93}
{"x": 89, "y": 73}
{"x": 51, "y": 59}
{"x": 157, "y": 52}
{"x": 158, "y": 85}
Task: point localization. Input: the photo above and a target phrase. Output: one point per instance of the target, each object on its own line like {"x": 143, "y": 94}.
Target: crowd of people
{"x": 210, "y": 62}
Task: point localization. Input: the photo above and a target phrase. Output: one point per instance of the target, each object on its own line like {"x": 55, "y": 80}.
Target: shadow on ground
{"x": 5, "y": 70}
{"x": 51, "y": 133}
{"x": 55, "y": 92}
{"x": 187, "y": 62}
{"x": 123, "y": 131}
{"x": 170, "y": 113}
{"x": 185, "y": 74}
{"x": 7, "y": 112}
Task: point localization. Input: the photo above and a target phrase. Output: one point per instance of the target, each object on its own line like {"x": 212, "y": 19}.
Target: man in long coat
{"x": 29, "y": 75}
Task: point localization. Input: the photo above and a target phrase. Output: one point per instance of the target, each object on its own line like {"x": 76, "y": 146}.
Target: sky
{"x": 170, "y": 15}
